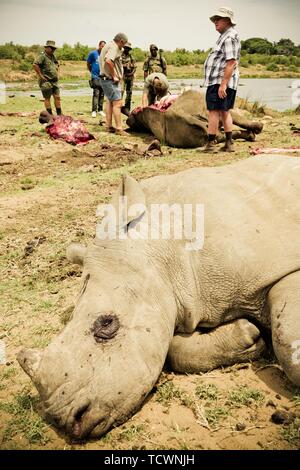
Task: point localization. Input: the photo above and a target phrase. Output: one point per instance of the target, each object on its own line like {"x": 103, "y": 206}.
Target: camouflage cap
{"x": 153, "y": 46}
{"x": 50, "y": 44}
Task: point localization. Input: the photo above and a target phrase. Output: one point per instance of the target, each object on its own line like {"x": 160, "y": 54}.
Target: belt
{"x": 104, "y": 77}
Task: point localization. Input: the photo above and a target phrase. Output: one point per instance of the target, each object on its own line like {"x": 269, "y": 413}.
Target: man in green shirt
{"x": 155, "y": 62}
{"x": 46, "y": 67}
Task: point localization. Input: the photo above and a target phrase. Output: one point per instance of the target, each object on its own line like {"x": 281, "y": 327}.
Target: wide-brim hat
{"x": 224, "y": 12}
{"x": 50, "y": 44}
{"x": 128, "y": 45}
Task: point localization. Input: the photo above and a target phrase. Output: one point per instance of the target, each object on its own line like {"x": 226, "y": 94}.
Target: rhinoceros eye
{"x": 105, "y": 327}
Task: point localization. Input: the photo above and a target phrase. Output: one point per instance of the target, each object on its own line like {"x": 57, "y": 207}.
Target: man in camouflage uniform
{"x": 129, "y": 68}
{"x": 155, "y": 62}
{"x": 46, "y": 67}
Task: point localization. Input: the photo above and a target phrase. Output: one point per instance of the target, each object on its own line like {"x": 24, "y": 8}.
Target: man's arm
{"x": 145, "y": 99}
{"x": 89, "y": 66}
{"x": 39, "y": 72}
{"x": 145, "y": 94}
{"x": 111, "y": 67}
{"x": 230, "y": 66}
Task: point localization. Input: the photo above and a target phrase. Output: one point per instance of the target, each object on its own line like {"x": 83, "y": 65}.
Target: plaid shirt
{"x": 227, "y": 47}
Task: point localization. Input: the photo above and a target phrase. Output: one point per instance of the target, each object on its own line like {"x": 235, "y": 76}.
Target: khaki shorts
{"x": 49, "y": 88}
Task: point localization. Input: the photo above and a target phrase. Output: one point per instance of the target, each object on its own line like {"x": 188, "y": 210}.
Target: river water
{"x": 276, "y": 93}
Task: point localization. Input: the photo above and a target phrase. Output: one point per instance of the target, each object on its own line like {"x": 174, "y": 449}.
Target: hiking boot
{"x": 228, "y": 147}
{"x": 210, "y": 147}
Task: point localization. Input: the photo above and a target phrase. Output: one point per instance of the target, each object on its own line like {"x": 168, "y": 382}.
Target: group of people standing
{"x": 112, "y": 64}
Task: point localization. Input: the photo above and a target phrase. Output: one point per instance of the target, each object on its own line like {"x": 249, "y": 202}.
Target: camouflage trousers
{"x": 127, "y": 87}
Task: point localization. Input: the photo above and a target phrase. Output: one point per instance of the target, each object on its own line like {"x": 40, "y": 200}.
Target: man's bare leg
{"x": 108, "y": 114}
{"x": 47, "y": 103}
{"x": 57, "y": 103}
{"x": 117, "y": 114}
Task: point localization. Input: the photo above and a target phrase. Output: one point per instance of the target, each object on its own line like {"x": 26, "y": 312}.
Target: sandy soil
{"x": 49, "y": 194}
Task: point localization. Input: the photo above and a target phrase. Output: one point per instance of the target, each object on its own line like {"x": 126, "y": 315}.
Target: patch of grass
{"x": 27, "y": 180}
{"x": 291, "y": 433}
{"x": 131, "y": 432}
{"x": 24, "y": 421}
{"x": 208, "y": 392}
{"x": 244, "y": 396}
{"x": 296, "y": 399}
{"x": 8, "y": 373}
{"x": 166, "y": 392}
{"x": 215, "y": 414}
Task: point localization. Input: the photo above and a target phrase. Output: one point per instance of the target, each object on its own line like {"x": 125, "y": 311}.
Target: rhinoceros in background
{"x": 143, "y": 301}
{"x": 184, "y": 123}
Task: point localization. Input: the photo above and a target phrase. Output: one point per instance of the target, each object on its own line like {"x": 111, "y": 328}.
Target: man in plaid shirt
{"x": 221, "y": 78}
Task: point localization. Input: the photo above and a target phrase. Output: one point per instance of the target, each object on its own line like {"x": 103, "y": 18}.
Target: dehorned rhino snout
{"x": 29, "y": 360}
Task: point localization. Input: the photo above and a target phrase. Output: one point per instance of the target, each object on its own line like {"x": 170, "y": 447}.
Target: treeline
{"x": 254, "y": 51}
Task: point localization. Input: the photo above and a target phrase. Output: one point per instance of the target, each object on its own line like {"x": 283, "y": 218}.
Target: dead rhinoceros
{"x": 184, "y": 123}
{"x": 143, "y": 299}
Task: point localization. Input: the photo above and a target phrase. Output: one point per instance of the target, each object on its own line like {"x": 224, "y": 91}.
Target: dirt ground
{"x": 48, "y": 198}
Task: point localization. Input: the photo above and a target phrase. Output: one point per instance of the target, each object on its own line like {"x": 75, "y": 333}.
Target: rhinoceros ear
{"x": 128, "y": 201}
{"x": 76, "y": 253}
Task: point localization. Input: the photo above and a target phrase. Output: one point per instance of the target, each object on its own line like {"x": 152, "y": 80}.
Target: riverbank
{"x": 77, "y": 70}
{"x": 48, "y": 198}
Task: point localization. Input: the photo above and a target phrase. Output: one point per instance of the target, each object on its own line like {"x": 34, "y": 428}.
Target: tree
{"x": 285, "y": 47}
{"x": 258, "y": 46}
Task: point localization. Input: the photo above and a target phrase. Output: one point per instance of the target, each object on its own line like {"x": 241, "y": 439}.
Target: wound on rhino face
{"x": 105, "y": 327}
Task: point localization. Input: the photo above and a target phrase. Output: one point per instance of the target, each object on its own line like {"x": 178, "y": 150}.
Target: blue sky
{"x": 169, "y": 23}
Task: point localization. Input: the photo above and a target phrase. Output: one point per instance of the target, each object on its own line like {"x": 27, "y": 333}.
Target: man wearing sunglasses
{"x": 221, "y": 78}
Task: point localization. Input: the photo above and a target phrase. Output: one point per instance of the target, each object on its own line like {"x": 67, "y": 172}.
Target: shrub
{"x": 272, "y": 67}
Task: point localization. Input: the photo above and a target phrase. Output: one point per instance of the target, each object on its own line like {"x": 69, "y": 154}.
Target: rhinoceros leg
{"x": 241, "y": 121}
{"x": 284, "y": 303}
{"x": 246, "y": 135}
{"x": 238, "y": 341}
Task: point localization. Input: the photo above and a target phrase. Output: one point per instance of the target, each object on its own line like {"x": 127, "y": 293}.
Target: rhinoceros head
{"x": 99, "y": 369}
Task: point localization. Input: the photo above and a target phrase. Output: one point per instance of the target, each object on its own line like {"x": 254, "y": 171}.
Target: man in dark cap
{"x": 46, "y": 66}
{"x": 129, "y": 68}
{"x": 155, "y": 62}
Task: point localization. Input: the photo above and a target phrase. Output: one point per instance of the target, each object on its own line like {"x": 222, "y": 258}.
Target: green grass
{"x": 166, "y": 393}
{"x": 24, "y": 420}
{"x": 244, "y": 396}
{"x": 208, "y": 392}
{"x": 131, "y": 432}
{"x": 215, "y": 415}
{"x": 291, "y": 433}
{"x": 8, "y": 373}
